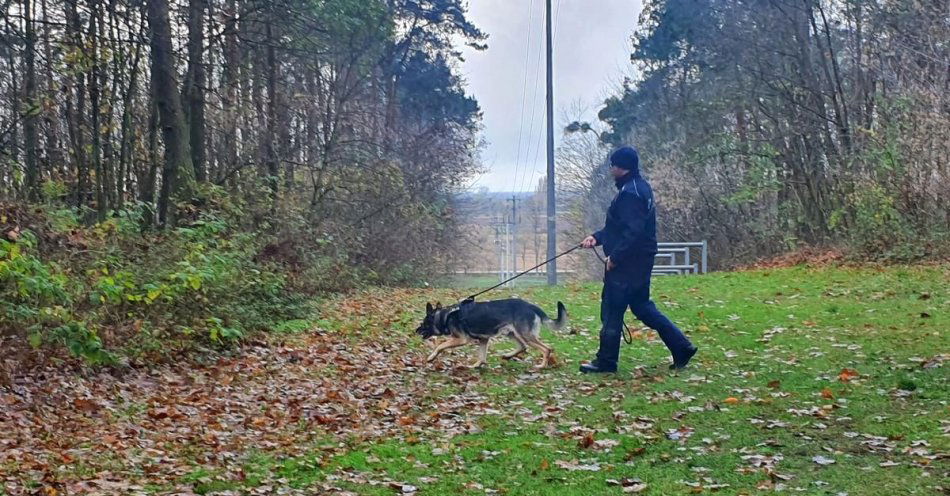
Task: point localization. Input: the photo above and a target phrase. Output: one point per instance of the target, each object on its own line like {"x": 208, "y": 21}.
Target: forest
{"x": 773, "y": 125}
{"x": 195, "y": 166}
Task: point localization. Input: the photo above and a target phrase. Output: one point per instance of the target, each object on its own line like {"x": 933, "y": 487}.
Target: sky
{"x": 591, "y": 57}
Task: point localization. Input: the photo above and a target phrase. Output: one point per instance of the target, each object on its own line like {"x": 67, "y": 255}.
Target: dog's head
{"x": 430, "y": 324}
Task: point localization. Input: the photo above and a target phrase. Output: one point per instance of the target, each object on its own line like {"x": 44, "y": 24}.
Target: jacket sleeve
{"x": 600, "y": 236}
{"x": 632, "y": 213}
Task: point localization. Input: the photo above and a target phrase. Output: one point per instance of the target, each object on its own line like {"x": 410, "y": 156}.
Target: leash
{"x": 506, "y": 281}
{"x": 627, "y": 334}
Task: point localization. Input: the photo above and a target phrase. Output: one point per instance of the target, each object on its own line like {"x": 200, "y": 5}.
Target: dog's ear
{"x": 429, "y": 308}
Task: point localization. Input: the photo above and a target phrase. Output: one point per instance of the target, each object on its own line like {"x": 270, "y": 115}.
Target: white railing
{"x": 678, "y": 258}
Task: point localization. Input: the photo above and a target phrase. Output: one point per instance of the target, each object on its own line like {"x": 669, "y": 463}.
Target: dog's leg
{"x": 522, "y": 346}
{"x": 536, "y": 343}
{"x": 453, "y": 342}
{"x": 482, "y": 354}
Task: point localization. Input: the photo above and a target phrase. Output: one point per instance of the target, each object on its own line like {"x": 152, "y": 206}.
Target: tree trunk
{"x": 102, "y": 204}
{"x": 55, "y": 159}
{"x": 118, "y": 74}
{"x": 178, "y": 173}
{"x": 194, "y": 86}
{"x": 125, "y": 148}
{"x": 230, "y": 81}
{"x": 31, "y": 107}
{"x": 148, "y": 179}
{"x": 75, "y": 115}
{"x": 270, "y": 141}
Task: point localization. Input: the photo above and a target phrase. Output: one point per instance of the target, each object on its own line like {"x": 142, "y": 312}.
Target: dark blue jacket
{"x": 629, "y": 233}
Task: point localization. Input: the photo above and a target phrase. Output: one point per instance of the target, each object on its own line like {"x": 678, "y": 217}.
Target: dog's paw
{"x": 547, "y": 364}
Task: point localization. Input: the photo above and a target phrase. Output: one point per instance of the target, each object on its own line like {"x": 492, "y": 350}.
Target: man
{"x": 629, "y": 240}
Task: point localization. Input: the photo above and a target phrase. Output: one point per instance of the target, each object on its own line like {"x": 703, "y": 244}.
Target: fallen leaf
{"x": 681, "y": 434}
{"x": 635, "y": 453}
{"x": 606, "y": 444}
{"x": 821, "y": 460}
{"x": 587, "y": 441}
{"x": 86, "y": 405}
{"x": 574, "y": 466}
{"x": 848, "y": 374}
{"x": 403, "y": 488}
{"x": 628, "y": 485}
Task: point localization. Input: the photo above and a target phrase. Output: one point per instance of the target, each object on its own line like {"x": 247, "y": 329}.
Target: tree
{"x": 195, "y": 84}
{"x": 321, "y": 118}
{"x": 178, "y": 172}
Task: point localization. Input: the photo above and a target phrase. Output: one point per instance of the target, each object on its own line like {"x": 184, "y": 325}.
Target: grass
{"x": 794, "y": 364}
{"x": 797, "y": 368}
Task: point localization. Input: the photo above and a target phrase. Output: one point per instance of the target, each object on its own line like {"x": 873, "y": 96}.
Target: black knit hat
{"x": 626, "y": 158}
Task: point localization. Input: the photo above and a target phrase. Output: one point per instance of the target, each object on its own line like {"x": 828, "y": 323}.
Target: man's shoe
{"x": 683, "y": 361}
{"x": 595, "y": 368}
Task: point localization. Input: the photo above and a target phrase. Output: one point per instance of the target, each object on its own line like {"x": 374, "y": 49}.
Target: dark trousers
{"x": 629, "y": 287}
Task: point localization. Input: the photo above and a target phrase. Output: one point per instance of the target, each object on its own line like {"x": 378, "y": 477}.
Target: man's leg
{"x": 645, "y": 310}
{"x": 613, "y": 304}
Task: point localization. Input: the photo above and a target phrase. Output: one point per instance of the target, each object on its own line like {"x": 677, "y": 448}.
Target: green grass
{"x": 842, "y": 363}
{"x": 766, "y": 382}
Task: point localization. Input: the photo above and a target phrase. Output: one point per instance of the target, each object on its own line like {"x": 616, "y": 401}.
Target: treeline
{"x": 185, "y": 168}
{"x": 347, "y": 114}
{"x": 770, "y": 124}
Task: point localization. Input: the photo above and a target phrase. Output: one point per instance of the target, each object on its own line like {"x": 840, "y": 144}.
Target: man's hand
{"x": 610, "y": 264}
{"x": 589, "y": 242}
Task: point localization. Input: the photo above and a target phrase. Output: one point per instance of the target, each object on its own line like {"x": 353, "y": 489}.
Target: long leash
{"x": 627, "y": 334}
{"x": 506, "y": 281}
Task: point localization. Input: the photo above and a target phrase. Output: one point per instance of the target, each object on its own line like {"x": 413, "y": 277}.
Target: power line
{"x": 524, "y": 90}
{"x": 534, "y": 161}
{"x": 534, "y": 97}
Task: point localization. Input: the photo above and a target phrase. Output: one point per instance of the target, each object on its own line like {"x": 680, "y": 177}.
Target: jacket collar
{"x": 630, "y": 176}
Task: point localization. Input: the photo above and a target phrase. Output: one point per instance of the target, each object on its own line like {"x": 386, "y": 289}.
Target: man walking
{"x": 629, "y": 240}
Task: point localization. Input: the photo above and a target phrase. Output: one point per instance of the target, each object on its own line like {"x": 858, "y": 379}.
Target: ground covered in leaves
{"x": 809, "y": 381}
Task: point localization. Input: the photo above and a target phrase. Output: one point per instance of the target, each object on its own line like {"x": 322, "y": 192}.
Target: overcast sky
{"x": 591, "y": 57}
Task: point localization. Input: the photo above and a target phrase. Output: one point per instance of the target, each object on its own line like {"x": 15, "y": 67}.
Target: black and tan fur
{"x": 478, "y": 322}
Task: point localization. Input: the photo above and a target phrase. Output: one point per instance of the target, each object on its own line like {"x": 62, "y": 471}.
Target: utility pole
{"x": 507, "y": 252}
{"x": 552, "y": 210}
{"x": 501, "y": 256}
{"x": 514, "y": 234}
{"x": 535, "y": 221}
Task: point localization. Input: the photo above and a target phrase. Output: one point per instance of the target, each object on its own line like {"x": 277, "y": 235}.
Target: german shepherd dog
{"x": 477, "y": 322}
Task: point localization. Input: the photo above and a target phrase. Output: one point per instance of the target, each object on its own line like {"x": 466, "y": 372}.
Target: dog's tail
{"x": 561, "y": 321}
